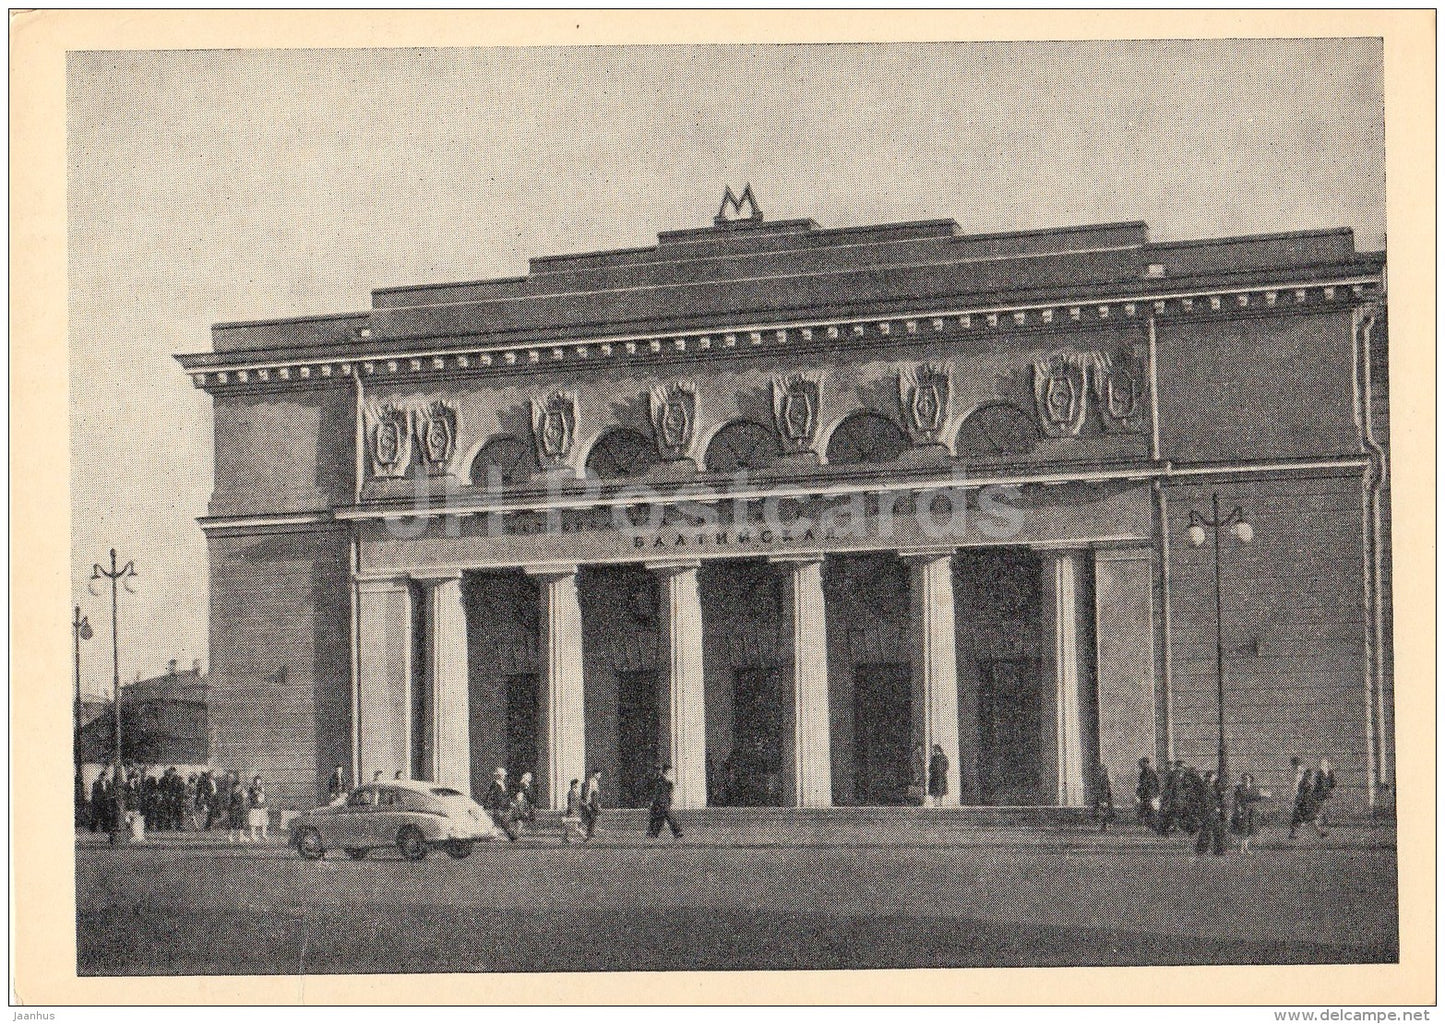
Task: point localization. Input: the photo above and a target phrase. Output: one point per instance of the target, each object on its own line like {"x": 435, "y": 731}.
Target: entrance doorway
{"x": 755, "y": 766}
{"x": 882, "y": 726}
{"x": 523, "y": 713}
{"x": 1010, "y": 733}
{"x": 638, "y": 722}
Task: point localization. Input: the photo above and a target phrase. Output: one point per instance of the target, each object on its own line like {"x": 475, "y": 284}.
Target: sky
{"x": 210, "y": 186}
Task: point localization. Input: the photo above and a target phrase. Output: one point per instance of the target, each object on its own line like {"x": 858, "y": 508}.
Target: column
{"x": 1124, "y": 643}
{"x": 812, "y": 755}
{"x": 448, "y": 734}
{"x": 683, "y": 725}
{"x": 383, "y": 676}
{"x": 935, "y": 659}
{"x": 563, "y": 748}
{"x": 1063, "y": 745}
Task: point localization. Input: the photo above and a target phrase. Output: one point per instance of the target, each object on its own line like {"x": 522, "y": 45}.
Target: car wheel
{"x": 354, "y": 853}
{"x": 412, "y": 843}
{"x": 461, "y": 849}
{"x": 309, "y": 844}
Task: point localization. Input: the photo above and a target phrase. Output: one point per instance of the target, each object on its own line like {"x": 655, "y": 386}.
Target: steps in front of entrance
{"x": 796, "y": 826}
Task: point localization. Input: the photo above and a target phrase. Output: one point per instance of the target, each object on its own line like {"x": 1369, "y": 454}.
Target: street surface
{"x": 996, "y": 897}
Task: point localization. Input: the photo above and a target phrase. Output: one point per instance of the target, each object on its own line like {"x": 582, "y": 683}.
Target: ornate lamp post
{"x": 124, "y": 574}
{"x": 80, "y": 629}
{"x": 1236, "y": 524}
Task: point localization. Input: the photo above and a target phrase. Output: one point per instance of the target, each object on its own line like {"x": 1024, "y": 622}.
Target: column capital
{"x": 432, "y": 577}
{"x": 381, "y": 584}
{"x": 807, "y": 558}
{"x": 1119, "y": 553}
{"x": 1060, "y": 549}
{"x": 550, "y": 572}
{"x": 926, "y": 554}
{"x": 673, "y": 565}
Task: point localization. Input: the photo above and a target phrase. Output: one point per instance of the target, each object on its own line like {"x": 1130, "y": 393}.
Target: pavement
{"x": 856, "y": 895}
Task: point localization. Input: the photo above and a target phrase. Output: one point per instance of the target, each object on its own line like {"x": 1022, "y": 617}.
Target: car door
{"x": 352, "y": 825}
{"x": 386, "y": 818}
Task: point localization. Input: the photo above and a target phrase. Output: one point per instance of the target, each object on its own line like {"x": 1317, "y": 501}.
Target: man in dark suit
{"x": 661, "y": 810}
{"x": 499, "y": 804}
{"x": 1172, "y": 799}
{"x": 337, "y": 786}
{"x": 102, "y": 804}
{"x": 1146, "y": 793}
{"x": 1213, "y": 811}
{"x": 592, "y": 803}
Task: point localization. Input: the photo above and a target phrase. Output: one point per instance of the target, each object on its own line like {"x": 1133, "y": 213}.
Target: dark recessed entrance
{"x": 755, "y": 768}
{"x": 1010, "y": 736}
{"x": 523, "y": 712}
{"x": 882, "y": 724}
{"x": 638, "y": 723}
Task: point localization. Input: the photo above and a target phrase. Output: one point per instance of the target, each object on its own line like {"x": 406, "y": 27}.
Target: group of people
{"x": 171, "y": 802}
{"x": 1207, "y": 807}
{"x": 514, "y": 808}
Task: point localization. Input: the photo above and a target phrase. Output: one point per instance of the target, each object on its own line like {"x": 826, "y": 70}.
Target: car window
{"x": 387, "y": 798}
{"x": 413, "y": 801}
{"x": 364, "y": 797}
{"x": 443, "y": 791}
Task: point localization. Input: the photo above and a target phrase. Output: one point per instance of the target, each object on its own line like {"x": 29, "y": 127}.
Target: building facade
{"x": 776, "y": 504}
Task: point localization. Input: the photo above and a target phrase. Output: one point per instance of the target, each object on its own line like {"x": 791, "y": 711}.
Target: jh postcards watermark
{"x": 736, "y": 511}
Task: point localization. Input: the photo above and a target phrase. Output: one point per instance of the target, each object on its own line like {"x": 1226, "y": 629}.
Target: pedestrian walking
{"x": 1103, "y": 797}
{"x": 1172, "y": 798}
{"x": 592, "y": 803}
{"x": 188, "y": 803}
{"x": 210, "y": 794}
{"x": 1306, "y": 801}
{"x": 937, "y": 776}
{"x": 1193, "y": 804}
{"x": 102, "y": 804}
{"x": 499, "y": 804}
{"x": 336, "y": 785}
{"x": 527, "y": 807}
{"x": 1243, "y": 822}
{"x": 661, "y": 810}
{"x": 1146, "y": 795}
{"x": 1324, "y": 789}
{"x": 259, "y": 816}
{"x": 572, "y": 818}
{"x": 1213, "y": 810}
{"x": 236, "y": 813}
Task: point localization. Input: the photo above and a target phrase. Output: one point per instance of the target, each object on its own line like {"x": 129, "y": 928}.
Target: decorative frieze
{"x": 1034, "y": 317}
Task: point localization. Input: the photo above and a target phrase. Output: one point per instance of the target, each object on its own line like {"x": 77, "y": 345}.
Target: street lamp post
{"x": 117, "y": 575}
{"x": 1235, "y": 522}
{"x": 80, "y": 627}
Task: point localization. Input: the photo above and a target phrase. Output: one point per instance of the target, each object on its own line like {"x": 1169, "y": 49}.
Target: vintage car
{"x": 412, "y": 816}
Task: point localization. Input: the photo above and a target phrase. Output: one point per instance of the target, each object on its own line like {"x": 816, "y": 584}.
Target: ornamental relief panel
{"x": 796, "y": 400}
{"x": 388, "y": 429}
{"x": 395, "y": 429}
{"x": 925, "y": 392}
{"x": 554, "y": 428}
{"x": 674, "y": 418}
{"x": 1065, "y": 382}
